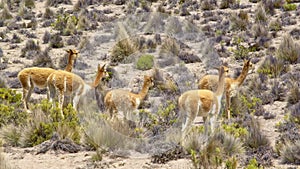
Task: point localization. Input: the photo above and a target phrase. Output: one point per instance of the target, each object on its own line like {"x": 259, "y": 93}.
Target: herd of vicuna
{"x": 205, "y": 102}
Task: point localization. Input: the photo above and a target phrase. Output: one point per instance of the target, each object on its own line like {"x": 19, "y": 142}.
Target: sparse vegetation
{"x": 182, "y": 40}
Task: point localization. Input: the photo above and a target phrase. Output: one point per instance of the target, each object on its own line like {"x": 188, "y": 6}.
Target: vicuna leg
{"x": 61, "y": 102}
{"x": 27, "y": 96}
{"x": 24, "y": 96}
{"x": 75, "y": 102}
{"x": 228, "y": 104}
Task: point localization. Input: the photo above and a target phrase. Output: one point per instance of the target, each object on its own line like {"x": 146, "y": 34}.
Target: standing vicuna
{"x": 37, "y": 76}
{"x": 122, "y": 100}
{"x": 210, "y": 82}
{"x": 66, "y": 84}
{"x": 202, "y": 102}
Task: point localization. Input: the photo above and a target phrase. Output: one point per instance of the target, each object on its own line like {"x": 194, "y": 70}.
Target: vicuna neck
{"x": 70, "y": 64}
{"x": 221, "y": 85}
{"x": 143, "y": 93}
{"x": 242, "y": 76}
{"x": 97, "y": 80}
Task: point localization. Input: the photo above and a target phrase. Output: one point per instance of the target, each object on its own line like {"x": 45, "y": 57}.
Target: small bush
{"x": 11, "y": 135}
{"x": 289, "y": 50}
{"x": 55, "y": 3}
{"x": 218, "y": 148}
{"x": 290, "y": 153}
{"x": 273, "y": 67}
{"x": 170, "y": 45}
{"x": 260, "y": 15}
{"x": 275, "y": 25}
{"x": 29, "y": 3}
{"x": 31, "y": 49}
{"x": 46, "y": 37}
{"x": 289, "y": 7}
{"x": 56, "y": 41}
{"x": 122, "y": 50}
{"x": 16, "y": 39}
{"x": 239, "y": 21}
{"x": 227, "y": 4}
{"x": 255, "y": 138}
{"x": 5, "y": 14}
{"x": 145, "y": 62}
{"x": 46, "y": 121}
{"x": 293, "y": 96}
{"x": 208, "y": 4}
{"x": 49, "y": 14}
{"x": 10, "y": 108}
{"x": 43, "y": 60}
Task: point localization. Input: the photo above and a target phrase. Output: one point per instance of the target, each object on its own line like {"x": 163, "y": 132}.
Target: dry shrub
{"x": 273, "y": 67}
{"x": 208, "y": 4}
{"x": 289, "y": 50}
{"x": 55, "y": 3}
{"x": 290, "y": 153}
{"x": 5, "y": 13}
{"x": 100, "y": 134}
{"x": 170, "y": 45}
{"x": 31, "y": 49}
{"x": 227, "y": 4}
{"x": 260, "y": 14}
{"x": 239, "y": 21}
{"x": 122, "y": 50}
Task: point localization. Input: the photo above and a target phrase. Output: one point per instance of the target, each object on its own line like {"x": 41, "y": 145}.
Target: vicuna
{"x": 210, "y": 82}
{"x": 202, "y": 102}
{"x": 126, "y": 101}
{"x": 66, "y": 84}
{"x": 37, "y": 77}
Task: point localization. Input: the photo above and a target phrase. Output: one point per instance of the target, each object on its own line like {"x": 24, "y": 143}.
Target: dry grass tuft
{"x": 289, "y": 50}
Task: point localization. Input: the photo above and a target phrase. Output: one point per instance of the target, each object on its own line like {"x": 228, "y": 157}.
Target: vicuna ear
{"x": 68, "y": 50}
{"x": 103, "y": 66}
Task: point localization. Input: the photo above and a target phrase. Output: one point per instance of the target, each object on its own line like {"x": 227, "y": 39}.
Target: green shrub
{"x": 218, "y": 149}
{"x": 288, "y": 50}
{"x": 145, "y": 62}
{"x": 10, "y": 108}
{"x": 289, "y": 7}
{"x": 45, "y": 121}
{"x": 241, "y": 52}
{"x": 235, "y": 129}
{"x": 253, "y": 164}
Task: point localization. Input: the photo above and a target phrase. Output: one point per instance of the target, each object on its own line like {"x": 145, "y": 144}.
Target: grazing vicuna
{"x": 66, "y": 84}
{"x": 122, "y": 100}
{"x": 210, "y": 82}
{"x": 37, "y": 77}
{"x": 202, "y": 102}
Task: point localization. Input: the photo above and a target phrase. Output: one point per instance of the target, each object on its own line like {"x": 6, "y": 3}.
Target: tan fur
{"x": 67, "y": 83}
{"x": 203, "y": 103}
{"x": 210, "y": 82}
{"x": 37, "y": 77}
{"x": 125, "y": 101}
